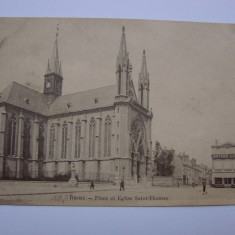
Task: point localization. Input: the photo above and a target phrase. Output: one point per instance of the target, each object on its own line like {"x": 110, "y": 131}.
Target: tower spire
{"x": 143, "y": 96}
{"x": 123, "y": 48}
{"x": 53, "y": 78}
{"x": 54, "y": 65}
{"x": 144, "y": 76}
{"x": 123, "y": 67}
{"x": 144, "y": 65}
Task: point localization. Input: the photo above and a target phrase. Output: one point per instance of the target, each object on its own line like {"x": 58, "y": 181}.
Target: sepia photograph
{"x": 116, "y": 112}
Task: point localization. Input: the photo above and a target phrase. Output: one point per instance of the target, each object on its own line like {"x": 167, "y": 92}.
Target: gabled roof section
{"x": 5, "y": 93}
{"x": 85, "y": 100}
{"x": 29, "y": 99}
{"x": 25, "y": 98}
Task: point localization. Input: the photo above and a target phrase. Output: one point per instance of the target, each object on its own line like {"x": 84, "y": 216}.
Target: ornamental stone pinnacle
{"x": 144, "y": 75}
{"x": 122, "y": 58}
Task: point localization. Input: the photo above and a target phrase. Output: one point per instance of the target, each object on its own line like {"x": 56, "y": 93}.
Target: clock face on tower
{"x": 48, "y": 84}
{"x": 53, "y": 85}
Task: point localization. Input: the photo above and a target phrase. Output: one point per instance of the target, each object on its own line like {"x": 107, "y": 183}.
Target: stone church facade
{"x": 105, "y": 133}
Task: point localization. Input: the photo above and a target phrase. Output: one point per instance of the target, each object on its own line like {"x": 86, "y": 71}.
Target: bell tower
{"x": 123, "y": 68}
{"x": 143, "y": 90}
{"x": 53, "y": 78}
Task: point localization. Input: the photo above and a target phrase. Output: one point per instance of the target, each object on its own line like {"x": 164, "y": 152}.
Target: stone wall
{"x": 163, "y": 181}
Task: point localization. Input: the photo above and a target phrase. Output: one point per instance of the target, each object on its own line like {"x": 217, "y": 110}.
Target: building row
{"x": 185, "y": 171}
{"x": 188, "y": 172}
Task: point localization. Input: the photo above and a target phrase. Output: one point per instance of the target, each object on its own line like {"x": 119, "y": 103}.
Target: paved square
{"x": 60, "y": 193}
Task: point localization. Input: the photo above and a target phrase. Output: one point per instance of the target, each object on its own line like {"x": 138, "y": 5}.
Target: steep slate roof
{"x": 17, "y": 95}
{"x": 85, "y": 100}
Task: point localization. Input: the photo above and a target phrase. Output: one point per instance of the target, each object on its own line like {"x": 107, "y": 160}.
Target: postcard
{"x": 116, "y": 112}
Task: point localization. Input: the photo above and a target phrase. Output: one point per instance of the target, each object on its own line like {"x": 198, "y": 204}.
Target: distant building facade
{"x": 186, "y": 171}
{"x": 223, "y": 165}
{"x": 105, "y": 132}
{"x": 192, "y": 172}
{"x": 205, "y": 173}
{"x": 178, "y": 169}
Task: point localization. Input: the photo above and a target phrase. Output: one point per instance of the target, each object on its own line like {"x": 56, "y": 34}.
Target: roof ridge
{"x": 87, "y": 90}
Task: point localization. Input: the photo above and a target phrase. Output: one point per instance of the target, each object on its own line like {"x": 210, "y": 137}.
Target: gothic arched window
{"x": 11, "y": 136}
{"x": 41, "y": 141}
{"x": 138, "y": 135}
{"x": 77, "y": 139}
{"x": 52, "y": 139}
{"x": 92, "y": 138}
{"x": 107, "y": 137}
{"x": 27, "y": 138}
{"x": 64, "y": 140}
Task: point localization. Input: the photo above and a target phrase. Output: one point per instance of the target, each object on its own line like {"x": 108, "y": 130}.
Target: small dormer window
{"x": 96, "y": 100}
{"x": 26, "y": 100}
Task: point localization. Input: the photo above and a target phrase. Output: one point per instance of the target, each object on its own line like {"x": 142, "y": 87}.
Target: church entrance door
{"x": 137, "y": 146}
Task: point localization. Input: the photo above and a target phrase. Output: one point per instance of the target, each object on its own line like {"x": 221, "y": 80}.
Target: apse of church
{"x": 105, "y": 132}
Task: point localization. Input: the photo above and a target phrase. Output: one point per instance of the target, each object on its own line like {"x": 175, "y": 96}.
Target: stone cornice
{"x": 129, "y": 102}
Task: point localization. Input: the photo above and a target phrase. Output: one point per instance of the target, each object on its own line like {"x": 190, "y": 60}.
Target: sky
{"x": 191, "y": 68}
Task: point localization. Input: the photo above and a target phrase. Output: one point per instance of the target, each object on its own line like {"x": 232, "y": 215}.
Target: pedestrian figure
{"x": 92, "y": 185}
{"x": 122, "y": 187}
{"x": 178, "y": 184}
{"x": 204, "y": 187}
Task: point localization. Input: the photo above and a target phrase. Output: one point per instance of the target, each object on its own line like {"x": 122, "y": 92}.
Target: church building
{"x": 105, "y": 132}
